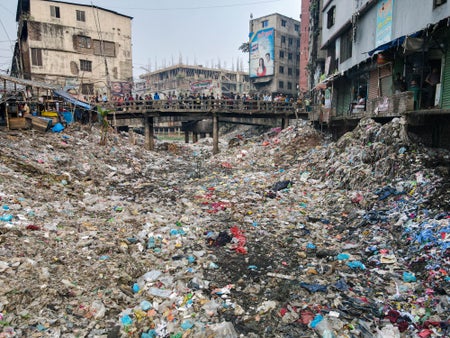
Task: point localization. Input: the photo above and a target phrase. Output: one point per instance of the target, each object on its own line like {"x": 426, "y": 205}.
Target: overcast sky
{"x": 201, "y": 31}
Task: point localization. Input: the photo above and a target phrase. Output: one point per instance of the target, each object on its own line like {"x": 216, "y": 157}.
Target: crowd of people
{"x": 198, "y": 100}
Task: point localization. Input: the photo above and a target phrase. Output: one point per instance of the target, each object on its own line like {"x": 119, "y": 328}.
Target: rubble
{"x": 284, "y": 233}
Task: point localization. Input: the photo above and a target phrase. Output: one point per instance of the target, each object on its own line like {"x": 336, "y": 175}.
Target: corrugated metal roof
{"x": 30, "y": 83}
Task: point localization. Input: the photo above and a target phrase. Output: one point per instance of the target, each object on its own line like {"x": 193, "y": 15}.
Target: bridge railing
{"x": 193, "y": 105}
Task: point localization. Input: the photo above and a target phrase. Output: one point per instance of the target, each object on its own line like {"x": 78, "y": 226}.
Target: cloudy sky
{"x": 202, "y": 32}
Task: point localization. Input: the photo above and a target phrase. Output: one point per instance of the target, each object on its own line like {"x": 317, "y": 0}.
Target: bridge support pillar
{"x": 131, "y": 136}
{"x": 284, "y": 122}
{"x": 149, "y": 136}
{"x": 215, "y": 134}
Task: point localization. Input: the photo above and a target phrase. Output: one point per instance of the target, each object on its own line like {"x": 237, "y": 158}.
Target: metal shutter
{"x": 445, "y": 89}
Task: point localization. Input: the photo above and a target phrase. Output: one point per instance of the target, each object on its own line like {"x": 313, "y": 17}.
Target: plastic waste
{"x": 317, "y": 319}
{"x": 57, "y": 128}
{"x": 145, "y": 305}
{"x": 224, "y": 329}
{"x": 313, "y": 287}
{"x": 409, "y": 277}
{"x": 356, "y": 265}
{"x": 159, "y": 292}
{"x": 323, "y": 328}
{"x": 6, "y": 218}
{"x": 126, "y": 320}
{"x": 342, "y": 257}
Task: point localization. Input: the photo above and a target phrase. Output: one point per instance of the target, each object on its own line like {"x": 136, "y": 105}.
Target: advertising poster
{"x": 262, "y": 45}
{"x": 199, "y": 86}
{"x": 120, "y": 88}
{"x": 384, "y": 22}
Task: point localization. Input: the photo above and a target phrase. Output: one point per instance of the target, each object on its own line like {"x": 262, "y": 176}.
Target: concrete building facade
{"x": 384, "y": 52}
{"x": 312, "y": 58}
{"x": 274, "y": 51}
{"x": 305, "y": 39}
{"x": 73, "y": 46}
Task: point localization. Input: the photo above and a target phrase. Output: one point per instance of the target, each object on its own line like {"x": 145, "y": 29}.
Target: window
{"x": 36, "y": 56}
{"x": 289, "y": 56}
{"x": 108, "y": 48}
{"x": 54, "y": 12}
{"x": 280, "y": 84}
{"x": 283, "y": 23}
{"x": 289, "y": 85}
{"x": 437, "y": 3}
{"x": 86, "y": 65}
{"x": 81, "y": 16}
{"x": 281, "y": 54}
{"x": 281, "y": 69}
{"x": 84, "y": 42}
{"x": 346, "y": 45}
{"x": 289, "y": 71}
{"x": 298, "y": 43}
{"x": 283, "y": 39}
{"x": 265, "y": 23}
{"x": 297, "y": 27}
{"x": 290, "y": 41}
{"x": 331, "y": 16}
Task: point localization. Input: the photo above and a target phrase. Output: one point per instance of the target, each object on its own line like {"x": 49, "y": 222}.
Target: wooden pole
{"x": 6, "y": 104}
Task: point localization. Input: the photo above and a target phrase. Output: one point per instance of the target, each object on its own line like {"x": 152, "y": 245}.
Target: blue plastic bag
{"x": 57, "y": 128}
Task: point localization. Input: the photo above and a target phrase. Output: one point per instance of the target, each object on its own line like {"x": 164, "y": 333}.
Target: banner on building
{"x": 199, "y": 86}
{"x": 120, "y": 88}
{"x": 262, "y": 46}
{"x": 384, "y": 22}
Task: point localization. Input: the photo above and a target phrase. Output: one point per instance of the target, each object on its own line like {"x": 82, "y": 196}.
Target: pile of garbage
{"x": 283, "y": 234}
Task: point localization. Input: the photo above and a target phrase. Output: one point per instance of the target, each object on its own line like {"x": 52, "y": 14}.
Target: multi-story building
{"x": 73, "y": 45}
{"x": 185, "y": 80}
{"x": 305, "y": 39}
{"x": 387, "y": 58}
{"x": 312, "y": 58}
{"x": 274, "y": 49}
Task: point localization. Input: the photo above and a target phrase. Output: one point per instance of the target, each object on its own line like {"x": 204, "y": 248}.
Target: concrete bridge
{"x": 201, "y": 116}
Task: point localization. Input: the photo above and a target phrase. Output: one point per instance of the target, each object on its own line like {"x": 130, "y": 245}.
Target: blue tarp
{"x": 393, "y": 43}
{"x": 66, "y": 96}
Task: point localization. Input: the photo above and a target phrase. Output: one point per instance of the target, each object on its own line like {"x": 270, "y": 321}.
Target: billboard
{"x": 120, "y": 88}
{"x": 384, "y": 22}
{"x": 262, "y": 45}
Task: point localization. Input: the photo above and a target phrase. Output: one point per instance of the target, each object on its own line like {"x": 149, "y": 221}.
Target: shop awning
{"x": 393, "y": 43}
{"x": 323, "y": 84}
{"x": 69, "y": 98}
{"x": 24, "y": 82}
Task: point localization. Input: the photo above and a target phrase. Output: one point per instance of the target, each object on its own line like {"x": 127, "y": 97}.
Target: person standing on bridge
{"x": 156, "y": 99}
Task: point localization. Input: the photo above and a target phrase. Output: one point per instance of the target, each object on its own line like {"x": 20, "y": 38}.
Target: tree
{"x": 104, "y": 124}
{"x": 245, "y": 47}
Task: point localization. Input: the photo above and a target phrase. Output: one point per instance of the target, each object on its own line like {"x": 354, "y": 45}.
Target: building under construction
{"x": 186, "y": 80}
